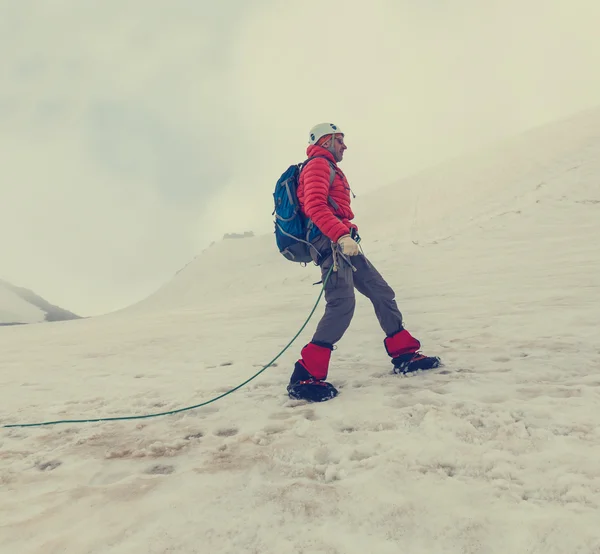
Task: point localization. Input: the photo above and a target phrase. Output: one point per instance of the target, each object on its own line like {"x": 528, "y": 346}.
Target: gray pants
{"x": 340, "y": 297}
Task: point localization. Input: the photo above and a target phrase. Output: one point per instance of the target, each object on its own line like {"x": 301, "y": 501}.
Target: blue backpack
{"x": 294, "y": 232}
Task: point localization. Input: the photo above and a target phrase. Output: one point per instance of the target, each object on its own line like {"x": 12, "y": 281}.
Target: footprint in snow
{"x": 160, "y": 469}
{"x": 48, "y": 466}
{"x": 348, "y": 429}
{"x": 227, "y": 432}
{"x": 197, "y": 435}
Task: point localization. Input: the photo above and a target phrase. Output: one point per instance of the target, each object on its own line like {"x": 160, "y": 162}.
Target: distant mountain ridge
{"x": 19, "y": 305}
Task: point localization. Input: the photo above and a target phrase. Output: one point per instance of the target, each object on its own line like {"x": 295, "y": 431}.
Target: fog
{"x": 133, "y": 134}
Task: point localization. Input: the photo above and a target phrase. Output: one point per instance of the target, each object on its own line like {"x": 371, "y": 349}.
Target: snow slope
{"x": 14, "y": 309}
{"x": 20, "y": 305}
{"x": 495, "y": 261}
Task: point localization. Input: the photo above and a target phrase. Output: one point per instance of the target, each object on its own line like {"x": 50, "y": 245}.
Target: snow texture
{"x": 496, "y": 265}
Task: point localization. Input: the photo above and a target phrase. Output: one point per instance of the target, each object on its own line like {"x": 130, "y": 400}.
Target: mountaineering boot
{"x": 407, "y": 363}
{"x": 308, "y": 379}
{"x": 303, "y": 386}
{"x": 403, "y": 348}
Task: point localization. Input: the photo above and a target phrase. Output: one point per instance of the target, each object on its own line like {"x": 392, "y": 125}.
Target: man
{"x": 329, "y": 209}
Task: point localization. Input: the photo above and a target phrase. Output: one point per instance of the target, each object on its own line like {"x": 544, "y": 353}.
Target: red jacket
{"x": 314, "y": 190}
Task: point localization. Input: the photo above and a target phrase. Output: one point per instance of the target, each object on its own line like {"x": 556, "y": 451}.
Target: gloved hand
{"x": 348, "y": 245}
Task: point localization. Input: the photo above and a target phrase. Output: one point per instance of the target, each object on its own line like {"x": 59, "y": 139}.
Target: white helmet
{"x": 322, "y": 129}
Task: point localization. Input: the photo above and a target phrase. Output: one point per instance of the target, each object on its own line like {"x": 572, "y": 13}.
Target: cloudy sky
{"x": 135, "y": 132}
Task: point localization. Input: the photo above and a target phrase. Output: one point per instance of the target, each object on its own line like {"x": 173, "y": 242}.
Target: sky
{"x": 132, "y": 134}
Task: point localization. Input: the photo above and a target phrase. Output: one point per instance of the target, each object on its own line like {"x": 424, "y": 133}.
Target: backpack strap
{"x": 331, "y": 178}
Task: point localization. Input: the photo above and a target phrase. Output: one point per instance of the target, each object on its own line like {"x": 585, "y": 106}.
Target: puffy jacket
{"x": 314, "y": 191}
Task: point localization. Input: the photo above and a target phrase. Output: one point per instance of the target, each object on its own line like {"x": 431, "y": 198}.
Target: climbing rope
{"x": 187, "y": 408}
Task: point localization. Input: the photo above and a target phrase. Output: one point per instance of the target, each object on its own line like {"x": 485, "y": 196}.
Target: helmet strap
{"x": 331, "y": 141}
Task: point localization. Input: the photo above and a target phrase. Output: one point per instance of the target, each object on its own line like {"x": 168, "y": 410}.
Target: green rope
{"x": 122, "y": 418}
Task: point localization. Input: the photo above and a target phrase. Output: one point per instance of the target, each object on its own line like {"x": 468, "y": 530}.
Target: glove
{"x": 348, "y": 245}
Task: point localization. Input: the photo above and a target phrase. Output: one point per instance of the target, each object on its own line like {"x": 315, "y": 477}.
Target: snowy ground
{"x": 496, "y": 265}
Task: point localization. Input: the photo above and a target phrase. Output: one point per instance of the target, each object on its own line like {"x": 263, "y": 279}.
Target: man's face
{"x": 338, "y": 147}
